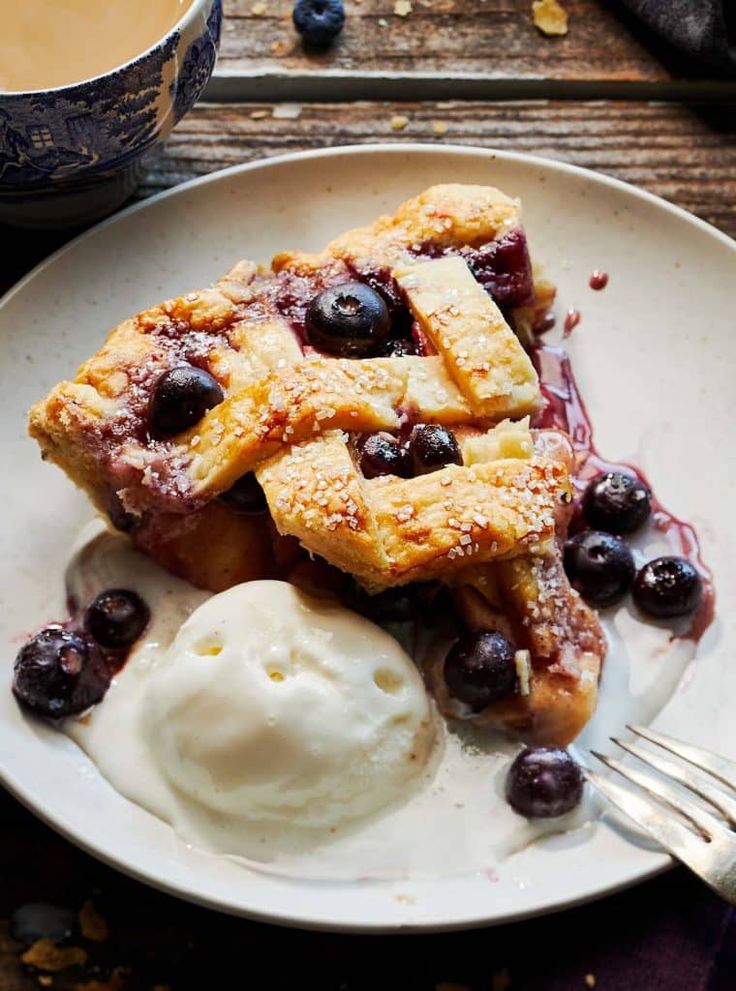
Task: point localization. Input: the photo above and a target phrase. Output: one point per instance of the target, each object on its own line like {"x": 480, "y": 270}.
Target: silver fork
{"x": 705, "y": 842}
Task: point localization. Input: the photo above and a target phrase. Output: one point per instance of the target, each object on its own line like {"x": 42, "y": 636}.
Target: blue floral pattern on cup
{"x": 199, "y": 62}
{"x": 75, "y": 136}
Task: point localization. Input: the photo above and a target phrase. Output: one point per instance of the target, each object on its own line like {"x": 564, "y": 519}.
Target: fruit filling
{"x": 281, "y": 425}
{"x": 65, "y": 669}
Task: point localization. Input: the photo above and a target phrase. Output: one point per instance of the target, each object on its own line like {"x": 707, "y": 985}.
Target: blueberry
{"x": 58, "y": 673}
{"x": 350, "y": 320}
{"x": 116, "y": 618}
{"x": 245, "y": 496}
{"x": 433, "y": 446}
{"x": 668, "y": 586}
{"x": 318, "y": 21}
{"x": 180, "y": 399}
{"x": 399, "y": 347}
{"x": 393, "y": 605}
{"x": 480, "y": 669}
{"x": 40, "y": 920}
{"x": 599, "y": 566}
{"x": 504, "y": 269}
{"x": 616, "y": 502}
{"x": 544, "y": 782}
{"x": 382, "y": 454}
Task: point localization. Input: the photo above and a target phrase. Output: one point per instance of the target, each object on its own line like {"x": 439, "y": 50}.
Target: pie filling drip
{"x": 380, "y": 422}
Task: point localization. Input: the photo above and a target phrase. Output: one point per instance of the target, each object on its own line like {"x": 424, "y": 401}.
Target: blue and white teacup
{"x": 72, "y": 154}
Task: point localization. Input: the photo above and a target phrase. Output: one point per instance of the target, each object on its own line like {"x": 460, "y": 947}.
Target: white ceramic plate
{"x": 655, "y": 355}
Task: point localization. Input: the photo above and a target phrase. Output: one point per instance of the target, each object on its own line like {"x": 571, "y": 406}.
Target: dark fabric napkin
{"x": 703, "y": 29}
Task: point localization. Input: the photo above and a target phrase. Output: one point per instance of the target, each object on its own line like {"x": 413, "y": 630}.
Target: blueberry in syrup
{"x": 399, "y": 347}
{"x": 616, "y": 502}
{"x": 433, "y": 446}
{"x": 544, "y": 782}
{"x": 350, "y": 320}
{"x": 59, "y": 673}
{"x": 599, "y": 565}
{"x": 180, "y": 399}
{"x": 120, "y": 518}
{"x": 480, "y": 669}
{"x": 668, "y": 587}
{"x": 318, "y": 21}
{"x": 382, "y": 454}
{"x": 116, "y": 618}
{"x": 504, "y": 269}
{"x": 245, "y": 496}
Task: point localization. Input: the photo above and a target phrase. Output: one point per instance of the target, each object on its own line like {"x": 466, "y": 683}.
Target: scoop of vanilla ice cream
{"x": 273, "y": 705}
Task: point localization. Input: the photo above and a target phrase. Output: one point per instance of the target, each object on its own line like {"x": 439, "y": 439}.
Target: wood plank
{"x": 685, "y": 153}
{"x": 496, "y": 39}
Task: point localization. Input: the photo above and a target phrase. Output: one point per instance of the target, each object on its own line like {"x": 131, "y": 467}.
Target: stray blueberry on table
{"x": 41, "y": 920}
{"x": 318, "y": 21}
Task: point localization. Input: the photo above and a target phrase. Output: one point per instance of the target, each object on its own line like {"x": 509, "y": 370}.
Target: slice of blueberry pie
{"x": 358, "y": 420}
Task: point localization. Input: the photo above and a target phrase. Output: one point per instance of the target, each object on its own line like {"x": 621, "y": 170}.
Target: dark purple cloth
{"x": 703, "y": 29}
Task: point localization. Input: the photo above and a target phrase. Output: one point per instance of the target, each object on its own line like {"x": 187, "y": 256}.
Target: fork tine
{"x": 722, "y": 769}
{"x": 687, "y": 778}
{"x": 666, "y": 830}
{"x": 706, "y": 824}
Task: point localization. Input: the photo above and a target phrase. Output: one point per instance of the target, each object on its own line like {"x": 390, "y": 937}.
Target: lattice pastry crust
{"x": 287, "y": 406}
{"x": 291, "y": 415}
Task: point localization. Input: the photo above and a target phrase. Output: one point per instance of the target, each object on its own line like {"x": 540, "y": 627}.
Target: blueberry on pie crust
{"x": 360, "y": 418}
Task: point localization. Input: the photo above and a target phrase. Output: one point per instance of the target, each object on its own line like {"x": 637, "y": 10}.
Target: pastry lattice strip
{"x": 284, "y": 403}
{"x": 389, "y": 531}
{"x": 241, "y": 329}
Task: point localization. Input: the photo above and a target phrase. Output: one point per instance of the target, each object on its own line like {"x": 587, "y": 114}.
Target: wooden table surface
{"x": 608, "y": 96}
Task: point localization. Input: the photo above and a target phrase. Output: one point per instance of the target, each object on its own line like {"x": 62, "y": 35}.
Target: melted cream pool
{"x": 453, "y": 819}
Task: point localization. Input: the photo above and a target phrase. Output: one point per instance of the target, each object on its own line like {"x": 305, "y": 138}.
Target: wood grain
{"x": 685, "y": 153}
{"x": 494, "y": 38}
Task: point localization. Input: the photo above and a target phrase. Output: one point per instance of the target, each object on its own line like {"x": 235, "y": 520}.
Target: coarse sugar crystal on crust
{"x": 453, "y": 265}
{"x": 248, "y": 331}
